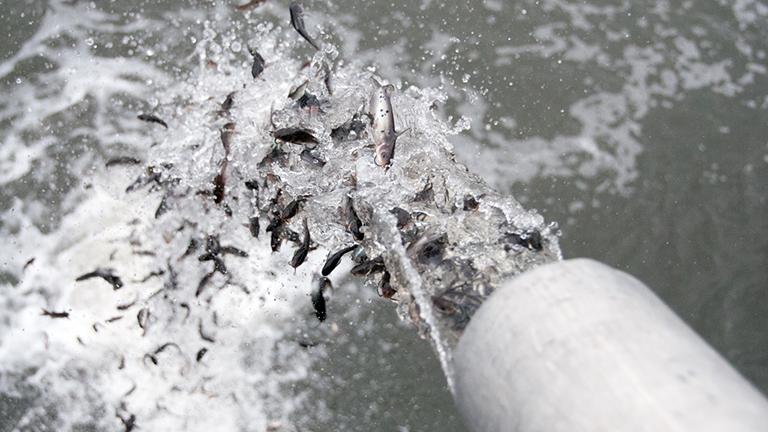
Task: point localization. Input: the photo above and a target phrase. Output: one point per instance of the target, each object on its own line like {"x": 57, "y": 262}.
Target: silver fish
{"x": 384, "y": 134}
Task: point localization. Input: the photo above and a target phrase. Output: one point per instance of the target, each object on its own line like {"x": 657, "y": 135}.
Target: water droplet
{"x": 236, "y": 47}
{"x": 89, "y": 41}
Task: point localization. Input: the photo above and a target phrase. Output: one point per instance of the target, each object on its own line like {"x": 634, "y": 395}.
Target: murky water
{"x": 642, "y": 127}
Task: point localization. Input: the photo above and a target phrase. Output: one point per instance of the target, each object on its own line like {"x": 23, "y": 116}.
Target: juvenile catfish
{"x": 297, "y": 21}
{"x": 301, "y": 253}
{"x": 384, "y": 134}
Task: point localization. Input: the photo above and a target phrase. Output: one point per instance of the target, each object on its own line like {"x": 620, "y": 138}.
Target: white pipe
{"x": 577, "y": 346}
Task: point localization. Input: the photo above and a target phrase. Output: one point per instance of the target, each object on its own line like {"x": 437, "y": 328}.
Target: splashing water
{"x": 210, "y": 329}
{"x": 571, "y": 95}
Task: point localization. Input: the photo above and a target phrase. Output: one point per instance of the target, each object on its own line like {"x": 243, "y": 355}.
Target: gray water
{"x": 642, "y": 127}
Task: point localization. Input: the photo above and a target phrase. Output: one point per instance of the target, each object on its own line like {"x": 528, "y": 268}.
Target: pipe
{"x": 578, "y": 346}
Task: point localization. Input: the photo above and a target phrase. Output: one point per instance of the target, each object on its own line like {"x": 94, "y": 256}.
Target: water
{"x": 639, "y": 127}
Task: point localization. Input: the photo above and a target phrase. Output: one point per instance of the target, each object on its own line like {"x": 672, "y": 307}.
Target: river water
{"x": 641, "y": 127}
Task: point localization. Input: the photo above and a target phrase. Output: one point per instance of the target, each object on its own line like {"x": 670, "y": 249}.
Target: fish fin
{"x": 397, "y": 134}
{"x": 375, "y": 81}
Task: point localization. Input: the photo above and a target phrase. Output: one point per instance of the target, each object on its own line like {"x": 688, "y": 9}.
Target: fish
{"x": 218, "y": 265}
{"x": 152, "y": 175}
{"x": 530, "y": 240}
{"x": 203, "y": 282}
{"x": 122, "y": 160}
{"x": 129, "y": 422}
{"x": 115, "y": 318}
{"x": 403, "y": 217}
{"x": 200, "y": 354}
{"x": 310, "y": 158}
{"x": 383, "y": 127}
{"x": 368, "y": 267}
{"x": 163, "y": 207}
{"x": 276, "y": 239}
{"x": 212, "y": 245}
{"x": 258, "y": 63}
{"x": 151, "y": 358}
{"x": 255, "y": 200}
{"x": 219, "y": 182}
{"x": 297, "y": 21}
{"x": 254, "y": 226}
{"x": 202, "y": 333}
{"x": 28, "y": 263}
{"x": 227, "y": 104}
{"x": 143, "y": 318}
{"x": 425, "y": 195}
{"x": 470, "y": 203}
{"x": 292, "y": 208}
{"x": 296, "y": 136}
{"x": 130, "y": 391}
{"x": 104, "y": 273}
{"x": 173, "y": 281}
{"x": 327, "y": 78}
{"x": 252, "y": 185}
{"x": 191, "y": 248}
{"x": 231, "y": 250}
{"x": 162, "y": 347}
{"x": 128, "y": 305}
{"x": 352, "y": 221}
{"x": 278, "y": 195}
{"x": 276, "y": 155}
{"x": 385, "y": 286}
{"x": 213, "y": 251}
{"x": 53, "y": 314}
{"x": 186, "y": 307}
{"x": 301, "y": 253}
{"x": 318, "y": 298}
{"x": 444, "y": 305}
{"x": 151, "y": 118}
{"x": 334, "y": 259}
